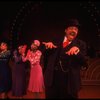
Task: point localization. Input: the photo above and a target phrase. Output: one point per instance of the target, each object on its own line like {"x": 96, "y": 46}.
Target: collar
{"x": 65, "y": 39}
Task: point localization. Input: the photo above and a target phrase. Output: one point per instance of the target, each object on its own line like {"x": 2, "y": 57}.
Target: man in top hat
{"x": 63, "y": 62}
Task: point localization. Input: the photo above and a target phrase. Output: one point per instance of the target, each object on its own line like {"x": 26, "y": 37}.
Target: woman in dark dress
{"x": 18, "y": 74}
{"x": 5, "y": 72}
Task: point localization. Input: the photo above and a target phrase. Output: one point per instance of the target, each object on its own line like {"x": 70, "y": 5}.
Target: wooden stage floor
{"x": 87, "y": 92}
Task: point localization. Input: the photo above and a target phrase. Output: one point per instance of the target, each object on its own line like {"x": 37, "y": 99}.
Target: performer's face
{"x": 22, "y": 48}
{"x": 33, "y": 47}
{"x": 3, "y": 46}
{"x": 71, "y": 32}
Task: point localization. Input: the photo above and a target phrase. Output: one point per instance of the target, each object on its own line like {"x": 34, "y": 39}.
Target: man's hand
{"x": 73, "y": 51}
{"x": 49, "y": 45}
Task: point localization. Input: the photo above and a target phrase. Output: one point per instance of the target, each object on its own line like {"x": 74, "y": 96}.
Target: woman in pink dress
{"x": 36, "y": 82}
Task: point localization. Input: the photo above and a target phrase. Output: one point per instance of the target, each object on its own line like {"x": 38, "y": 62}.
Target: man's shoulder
{"x": 80, "y": 41}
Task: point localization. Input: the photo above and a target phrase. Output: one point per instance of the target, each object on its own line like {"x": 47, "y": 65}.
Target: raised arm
{"x": 25, "y": 58}
{"x": 49, "y": 45}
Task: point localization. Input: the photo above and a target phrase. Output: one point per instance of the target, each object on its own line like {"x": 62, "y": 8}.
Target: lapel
{"x": 74, "y": 42}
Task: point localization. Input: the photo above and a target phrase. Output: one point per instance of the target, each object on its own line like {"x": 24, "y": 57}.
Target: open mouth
{"x": 72, "y": 34}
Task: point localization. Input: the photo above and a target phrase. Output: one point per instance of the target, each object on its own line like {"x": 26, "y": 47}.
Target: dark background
{"x": 24, "y": 21}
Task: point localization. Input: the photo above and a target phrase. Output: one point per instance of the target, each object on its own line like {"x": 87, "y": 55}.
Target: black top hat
{"x": 72, "y": 22}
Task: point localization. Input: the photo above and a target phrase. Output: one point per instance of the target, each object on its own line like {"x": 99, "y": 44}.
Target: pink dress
{"x": 36, "y": 81}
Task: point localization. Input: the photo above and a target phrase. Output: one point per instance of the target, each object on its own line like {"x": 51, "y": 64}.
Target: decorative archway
{"x": 92, "y": 75}
{"x": 17, "y": 23}
{"x": 33, "y": 7}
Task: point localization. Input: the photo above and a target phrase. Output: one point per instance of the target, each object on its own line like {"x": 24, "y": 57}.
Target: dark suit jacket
{"x": 73, "y": 63}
